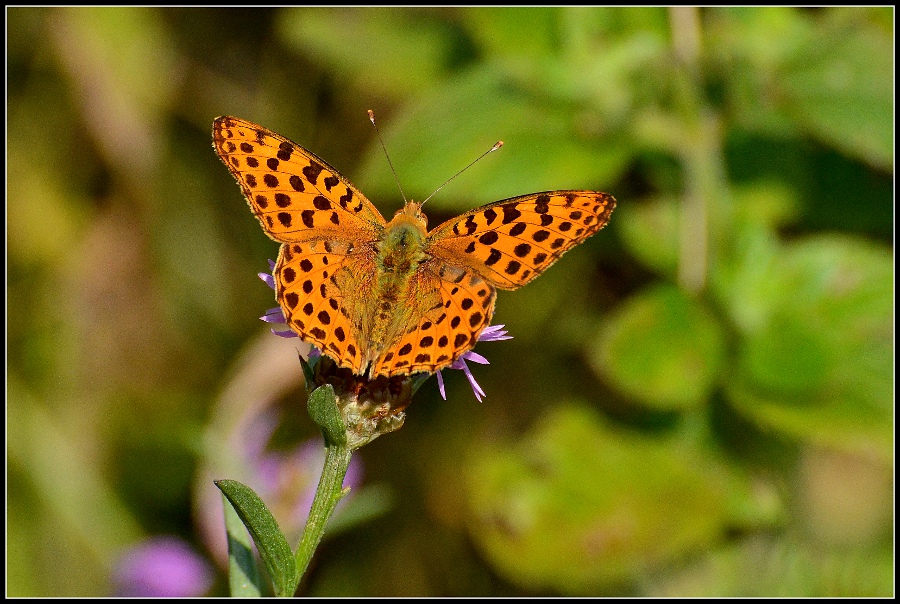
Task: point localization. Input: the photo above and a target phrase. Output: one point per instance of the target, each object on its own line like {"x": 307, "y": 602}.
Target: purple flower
{"x": 493, "y": 333}
{"x": 162, "y": 567}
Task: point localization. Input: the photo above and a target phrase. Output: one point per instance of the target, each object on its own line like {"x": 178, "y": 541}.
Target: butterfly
{"x": 391, "y": 297}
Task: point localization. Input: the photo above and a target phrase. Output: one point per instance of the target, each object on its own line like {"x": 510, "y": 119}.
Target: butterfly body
{"x": 389, "y": 298}
{"x": 389, "y": 304}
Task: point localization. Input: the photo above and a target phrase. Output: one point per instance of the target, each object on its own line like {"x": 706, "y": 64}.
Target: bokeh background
{"x": 699, "y": 400}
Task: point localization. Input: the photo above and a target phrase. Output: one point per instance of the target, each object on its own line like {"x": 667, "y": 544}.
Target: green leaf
{"x": 650, "y": 230}
{"x": 462, "y": 119}
{"x": 514, "y": 31}
{"x": 243, "y": 574}
{"x": 771, "y": 567}
{"x": 827, "y": 73}
{"x": 390, "y": 52}
{"x": 588, "y": 55}
{"x": 817, "y": 360}
{"x": 660, "y": 347}
{"x": 840, "y": 88}
{"x": 324, "y": 411}
{"x": 270, "y": 541}
{"x": 578, "y": 506}
{"x": 308, "y": 373}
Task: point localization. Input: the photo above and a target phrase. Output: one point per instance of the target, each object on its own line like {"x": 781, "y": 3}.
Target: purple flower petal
{"x": 494, "y": 333}
{"x": 273, "y": 315}
{"x": 475, "y": 387}
{"x": 475, "y": 358}
{"x": 285, "y": 334}
{"x": 268, "y": 279}
{"x": 162, "y": 567}
{"x": 440, "y": 380}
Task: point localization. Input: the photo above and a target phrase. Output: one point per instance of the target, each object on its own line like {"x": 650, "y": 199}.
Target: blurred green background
{"x": 697, "y": 401}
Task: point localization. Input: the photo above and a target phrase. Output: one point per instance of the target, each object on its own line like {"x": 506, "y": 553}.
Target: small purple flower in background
{"x": 162, "y": 567}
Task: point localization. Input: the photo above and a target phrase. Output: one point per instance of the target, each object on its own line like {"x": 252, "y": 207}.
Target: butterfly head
{"x": 411, "y": 213}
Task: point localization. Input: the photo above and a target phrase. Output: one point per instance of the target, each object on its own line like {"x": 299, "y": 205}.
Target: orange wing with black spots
{"x": 295, "y": 195}
{"x": 327, "y": 228}
{"x": 510, "y": 242}
{"x": 318, "y": 286}
{"x": 450, "y": 322}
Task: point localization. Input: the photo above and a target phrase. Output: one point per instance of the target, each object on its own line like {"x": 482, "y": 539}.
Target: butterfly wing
{"x": 327, "y": 228}
{"x": 510, "y": 242}
{"x": 321, "y": 289}
{"x": 504, "y": 244}
{"x": 295, "y": 195}
{"x": 451, "y": 306}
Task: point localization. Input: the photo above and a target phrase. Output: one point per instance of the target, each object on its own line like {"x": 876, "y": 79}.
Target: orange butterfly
{"x": 389, "y": 298}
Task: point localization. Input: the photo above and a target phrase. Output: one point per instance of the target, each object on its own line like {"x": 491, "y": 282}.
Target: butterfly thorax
{"x": 400, "y": 249}
{"x": 399, "y": 254}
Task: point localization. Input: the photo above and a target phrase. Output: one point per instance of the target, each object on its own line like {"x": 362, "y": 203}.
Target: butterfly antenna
{"x": 372, "y": 119}
{"x": 494, "y": 148}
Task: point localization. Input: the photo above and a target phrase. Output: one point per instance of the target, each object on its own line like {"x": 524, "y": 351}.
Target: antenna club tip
{"x": 497, "y": 146}
{"x": 371, "y": 115}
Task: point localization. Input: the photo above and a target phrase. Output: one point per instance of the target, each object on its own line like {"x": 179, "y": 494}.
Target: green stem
{"x": 706, "y": 189}
{"x": 329, "y": 492}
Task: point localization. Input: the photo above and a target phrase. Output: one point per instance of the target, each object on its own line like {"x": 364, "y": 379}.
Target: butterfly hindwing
{"x": 510, "y": 242}
{"x": 453, "y": 306}
{"x": 295, "y": 195}
{"x": 318, "y": 303}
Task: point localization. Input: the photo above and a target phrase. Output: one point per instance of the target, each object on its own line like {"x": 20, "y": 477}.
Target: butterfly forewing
{"x": 511, "y": 242}
{"x": 295, "y": 194}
